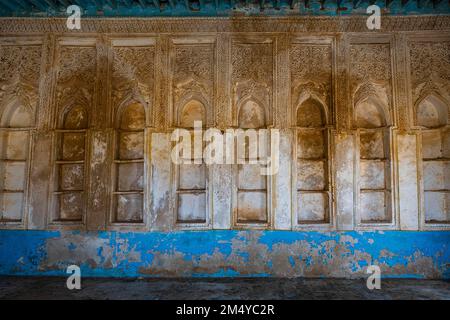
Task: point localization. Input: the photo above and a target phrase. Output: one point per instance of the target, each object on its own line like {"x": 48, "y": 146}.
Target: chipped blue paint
{"x": 226, "y": 253}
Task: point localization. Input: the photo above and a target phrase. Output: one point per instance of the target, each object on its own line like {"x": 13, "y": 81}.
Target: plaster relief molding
{"x": 371, "y": 74}
{"x": 77, "y": 72}
{"x": 252, "y": 63}
{"x": 430, "y": 68}
{"x": 311, "y": 73}
{"x": 133, "y": 72}
{"x": 192, "y": 65}
{"x": 20, "y": 66}
{"x": 224, "y": 24}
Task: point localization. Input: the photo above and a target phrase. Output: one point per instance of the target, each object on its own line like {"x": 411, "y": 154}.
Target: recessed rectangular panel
{"x": 129, "y": 208}
{"x": 431, "y": 144}
{"x": 130, "y": 176}
{"x": 71, "y": 206}
{"x": 446, "y": 143}
{"x": 312, "y": 207}
{"x": 374, "y": 207}
{"x": 372, "y": 174}
{"x": 191, "y": 207}
{"x": 252, "y": 207}
{"x": 11, "y": 206}
{"x": 73, "y": 146}
{"x": 372, "y": 145}
{"x": 250, "y": 177}
{"x": 14, "y": 175}
{"x": 131, "y": 145}
{"x": 311, "y": 175}
{"x": 437, "y": 207}
{"x": 311, "y": 145}
{"x": 71, "y": 177}
{"x": 16, "y": 145}
{"x": 436, "y": 175}
{"x": 192, "y": 177}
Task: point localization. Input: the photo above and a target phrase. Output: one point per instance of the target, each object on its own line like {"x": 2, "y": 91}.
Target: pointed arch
{"x": 75, "y": 117}
{"x": 193, "y": 110}
{"x": 307, "y": 92}
{"x": 311, "y": 114}
{"x": 131, "y": 116}
{"x": 370, "y": 113}
{"x": 251, "y": 114}
{"x": 431, "y": 112}
{"x": 132, "y": 100}
{"x": 17, "y": 115}
{"x": 191, "y": 107}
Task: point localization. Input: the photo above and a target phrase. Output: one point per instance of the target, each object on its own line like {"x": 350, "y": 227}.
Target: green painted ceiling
{"x": 151, "y": 8}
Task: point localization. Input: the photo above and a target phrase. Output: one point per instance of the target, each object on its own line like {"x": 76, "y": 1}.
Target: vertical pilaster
{"x": 408, "y": 197}
{"x": 161, "y": 164}
{"x": 344, "y": 166}
{"x": 283, "y": 183}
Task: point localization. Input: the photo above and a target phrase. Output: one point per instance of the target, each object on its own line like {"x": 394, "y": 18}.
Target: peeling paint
{"x": 226, "y": 253}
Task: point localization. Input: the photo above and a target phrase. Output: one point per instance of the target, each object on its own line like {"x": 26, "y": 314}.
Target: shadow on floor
{"x": 220, "y": 288}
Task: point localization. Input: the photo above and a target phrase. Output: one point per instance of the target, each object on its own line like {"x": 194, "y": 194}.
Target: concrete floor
{"x": 223, "y": 288}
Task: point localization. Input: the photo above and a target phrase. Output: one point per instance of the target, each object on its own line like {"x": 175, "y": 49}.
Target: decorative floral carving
{"x": 133, "y": 73}
{"x": 77, "y": 69}
{"x": 370, "y": 68}
{"x": 311, "y": 70}
{"x": 20, "y": 72}
{"x": 252, "y": 73}
{"x": 430, "y": 68}
{"x": 193, "y": 71}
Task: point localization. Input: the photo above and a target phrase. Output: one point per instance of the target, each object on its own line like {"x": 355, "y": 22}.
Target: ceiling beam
{"x": 128, "y": 3}
{"x": 50, "y": 4}
{"x": 292, "y": 4}
{"x": 356, "y": 3}
{"x": 23, "y": 4}
{"x": 65, "y": 3}
{"x": 7, "y": 5}
{"x": 142, "y": 4}
{"x": 112, "y": 3}
{"x": 39, "y": 4}
{"x": 157, "y": 4}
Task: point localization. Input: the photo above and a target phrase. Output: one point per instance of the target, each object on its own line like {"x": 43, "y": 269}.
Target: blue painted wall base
{"x": 226, "y": 253}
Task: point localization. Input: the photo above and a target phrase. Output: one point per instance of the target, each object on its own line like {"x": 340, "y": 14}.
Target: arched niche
{"x": 251, "y": 115}
{"x": 17, "y": 115}
{"x": 192, "y": 111}
{"x": 132, "y": 117}
{"x": 431, "y": 112}
{"x": 310, "y": 114}
{"x": 75, "y": 118}
{"x": 369, "y": 113}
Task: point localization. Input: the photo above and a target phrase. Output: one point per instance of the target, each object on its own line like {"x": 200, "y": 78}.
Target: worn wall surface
{"x": 86, "y": 172}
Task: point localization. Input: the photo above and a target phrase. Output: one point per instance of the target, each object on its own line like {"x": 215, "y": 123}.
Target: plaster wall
{"x": 86, "y": 119}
